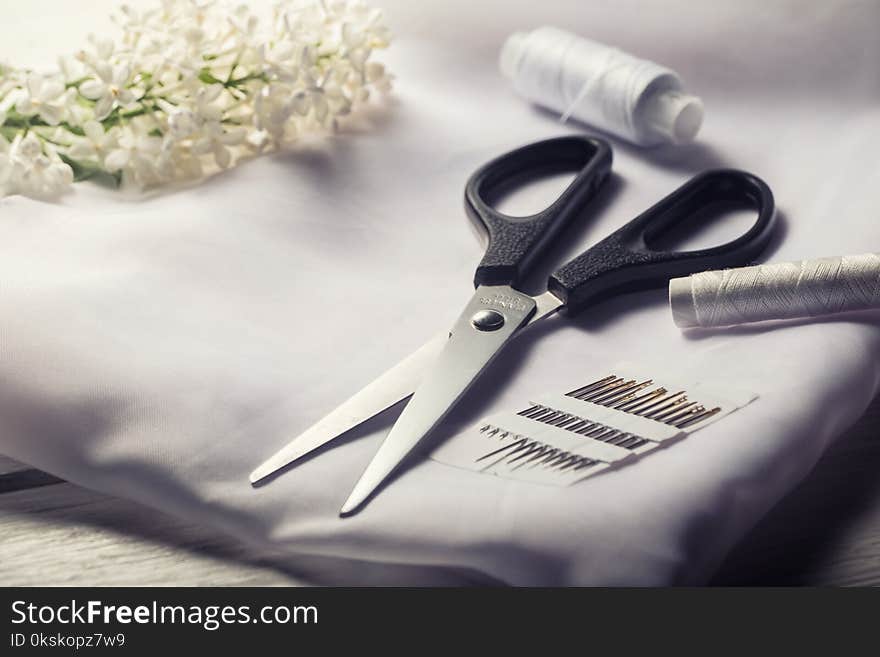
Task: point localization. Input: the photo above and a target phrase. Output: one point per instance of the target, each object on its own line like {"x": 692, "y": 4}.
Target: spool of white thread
{"x": 604, "y": 87}
{"x": 787, "y": 290}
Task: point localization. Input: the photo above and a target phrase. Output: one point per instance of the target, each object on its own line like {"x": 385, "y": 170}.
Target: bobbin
{"x": 787, "y": 290}
{"x": 602, "y": 86}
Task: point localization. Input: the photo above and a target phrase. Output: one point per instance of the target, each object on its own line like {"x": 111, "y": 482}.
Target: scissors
{"x": 443, "y": 370}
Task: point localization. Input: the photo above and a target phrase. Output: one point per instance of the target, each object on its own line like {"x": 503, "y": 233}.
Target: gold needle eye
{"x": 592, "y": 386}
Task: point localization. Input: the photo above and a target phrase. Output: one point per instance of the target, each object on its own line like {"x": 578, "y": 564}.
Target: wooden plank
{"x": 67, "y": 536}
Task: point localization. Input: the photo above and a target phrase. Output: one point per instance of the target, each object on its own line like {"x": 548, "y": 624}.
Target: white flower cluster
{"x": 190, "y": 86}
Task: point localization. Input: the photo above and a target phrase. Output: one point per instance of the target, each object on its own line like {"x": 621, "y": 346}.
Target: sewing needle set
{"x": 562, "y": 439}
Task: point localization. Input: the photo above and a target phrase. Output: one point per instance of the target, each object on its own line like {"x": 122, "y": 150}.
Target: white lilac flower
{"x": 376, "y": 74}
{"x": 186, "y": 122}
{"x": 133, "y": 23}
{"x": 176, "y": 161}
{"x": 217, "y": 141}
{"x": 273, "y": 107}
{"x": 7, "y": 84}
{"x": 42, "y": 97}
{"x": 182, "y": 122}
{"x": 245, "y": 23}
{"x": 135, "y": 156}
{"x": 276, "y": 59}
{"x": 109, "y": 90}
{"x": 95, "y": 144}
{"x": 27, "y": 147}
{"x": 34, "y": 172}
{"x": 71, "y": 69}
{"x": 205, "y": 101}
{"x": 44, "y": 177}
{"x": 186, "y": 87}
{"x": 5, "y": 166}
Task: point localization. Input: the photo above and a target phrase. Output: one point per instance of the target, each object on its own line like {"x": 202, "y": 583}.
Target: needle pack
{"x": 560, "y": 439}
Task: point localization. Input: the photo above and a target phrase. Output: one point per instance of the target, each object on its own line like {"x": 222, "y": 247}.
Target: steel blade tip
{"x": 275, "y": 463}
{"x": 260, "y": 473}
{"x": 355, "y": 500}
{"x": 363, "y": 489}
{"x": 270, "y": 466}
{"x": 384, "y": 464}
{"x": 348, "y": 509}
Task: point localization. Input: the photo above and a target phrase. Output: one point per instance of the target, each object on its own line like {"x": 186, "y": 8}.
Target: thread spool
{"x": 601, "y": 86}
{"x": 809, "y": 288}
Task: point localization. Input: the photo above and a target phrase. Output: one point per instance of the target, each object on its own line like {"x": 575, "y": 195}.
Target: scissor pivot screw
{"x": 487, "y": 320}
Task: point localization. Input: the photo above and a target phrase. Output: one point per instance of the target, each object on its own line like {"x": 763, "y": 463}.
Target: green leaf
{"x": 90, "y": 171}
{"x": 207, "y": 77}
{"x": 8, "y": 132}
{"x": 76, "y": 83}
{"x": 75, "y": 129}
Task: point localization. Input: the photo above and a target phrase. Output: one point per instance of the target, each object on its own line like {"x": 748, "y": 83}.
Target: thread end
{"x": 681, "y": 303}
{"x": 511, "y": 52}
{"x": 674, "y": 116}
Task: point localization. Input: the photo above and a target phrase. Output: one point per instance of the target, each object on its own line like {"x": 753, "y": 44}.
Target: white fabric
{"x": 159, "y": 349}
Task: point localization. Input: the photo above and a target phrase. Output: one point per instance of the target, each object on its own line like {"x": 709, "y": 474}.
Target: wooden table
{"x": 826, "y": 532}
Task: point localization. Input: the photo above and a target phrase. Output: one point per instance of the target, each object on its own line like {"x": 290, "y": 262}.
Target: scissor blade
{"x": 390, "y": 388}
{"x": 476, "y": 339}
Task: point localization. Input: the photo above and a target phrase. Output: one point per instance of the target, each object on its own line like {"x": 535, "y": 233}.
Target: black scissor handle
{"x": 625, "y": 262}
{"x": 515, "y": 243}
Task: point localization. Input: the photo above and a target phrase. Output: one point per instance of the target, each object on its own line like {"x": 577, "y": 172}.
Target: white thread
{"x": 787, "y": 290}
{"x": 632, "y": 98}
